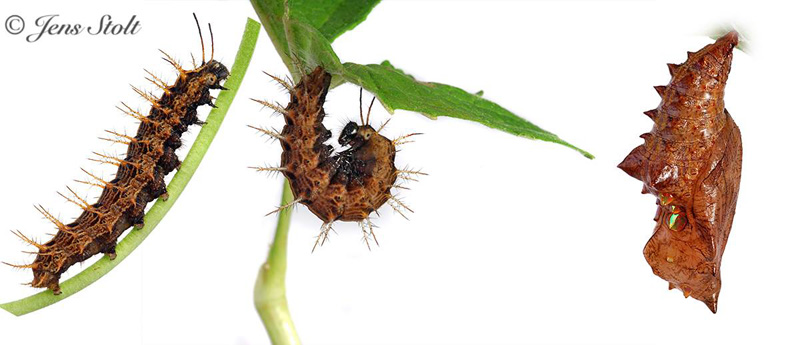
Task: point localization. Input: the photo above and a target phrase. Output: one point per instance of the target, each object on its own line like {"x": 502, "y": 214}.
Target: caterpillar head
{"x": 355, "y": 136}
{"x": 214, "y": 73}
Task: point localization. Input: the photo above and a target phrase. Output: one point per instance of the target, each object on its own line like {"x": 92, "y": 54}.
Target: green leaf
{"x": 176, "y": 186}
{"x": 310, "y": 49}
{"x": 328, "y": 19}
{"x": 331, "y": 17}
{"x": 397, "y": 90}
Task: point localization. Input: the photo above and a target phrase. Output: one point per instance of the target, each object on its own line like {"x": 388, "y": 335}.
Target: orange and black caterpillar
{"x": 692, "y": 161}
{"x": 139, "y": 178}
{"x": 348, "y": 185}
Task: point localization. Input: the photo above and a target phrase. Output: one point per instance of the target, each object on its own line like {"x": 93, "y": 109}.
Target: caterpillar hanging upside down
{"x": 348, "y": 185}
{"x": 692, "y": 161}
{"x": 140, "y": 175}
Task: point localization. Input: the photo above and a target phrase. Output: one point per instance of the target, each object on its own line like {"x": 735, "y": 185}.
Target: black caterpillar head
{"x": 217, "y": 72}
{"x": 354, "y": 135}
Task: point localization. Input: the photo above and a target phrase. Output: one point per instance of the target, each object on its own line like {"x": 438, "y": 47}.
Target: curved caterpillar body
{"x": 345, "y": 186}
{"x": 692, "y": 161}
{"x": 139, "y": 178}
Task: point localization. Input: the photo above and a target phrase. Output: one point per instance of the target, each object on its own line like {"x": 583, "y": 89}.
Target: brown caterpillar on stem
{"x": 345, "y": 186}
{"x": 692, "y": 161}
{"x": 140, "y": 175}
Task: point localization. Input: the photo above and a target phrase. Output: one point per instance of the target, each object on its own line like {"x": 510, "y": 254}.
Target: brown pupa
{"x": 139, "y": 178}
{"x": 348, "y": 185}
{"x": 692, "y": 161}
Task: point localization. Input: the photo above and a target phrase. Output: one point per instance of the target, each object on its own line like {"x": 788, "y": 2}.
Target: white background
{"x": 513, "y": 241}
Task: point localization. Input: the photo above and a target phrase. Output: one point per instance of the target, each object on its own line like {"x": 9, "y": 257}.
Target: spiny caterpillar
{"x": 692, "y": 161}
{"x": 139, "y": 178}
{"x": 348, "y": 185}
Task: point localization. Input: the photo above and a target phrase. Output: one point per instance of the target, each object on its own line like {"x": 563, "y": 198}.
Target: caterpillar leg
{"x": 110, "y": 251}
{"x": 169, "y": 160}
{"x": 55, "y": 287}
{"x": 138, "y": 221}
{"x": 159, "y": 186}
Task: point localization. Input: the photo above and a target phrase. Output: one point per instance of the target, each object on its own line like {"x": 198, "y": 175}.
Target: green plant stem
{"x": 125, "y": 247}
{"x": 270, "y": 290}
